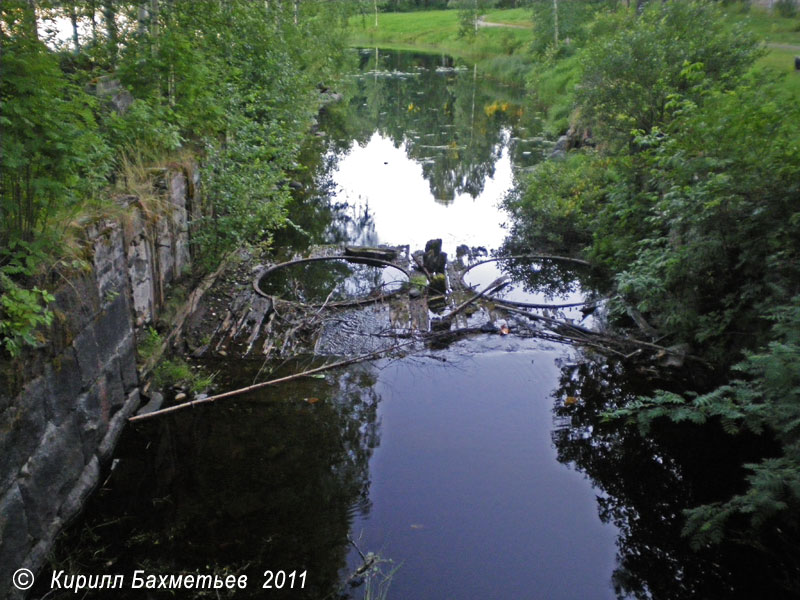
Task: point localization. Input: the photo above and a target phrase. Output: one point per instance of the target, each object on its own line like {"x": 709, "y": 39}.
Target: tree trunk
{"x": 555, "y": 21}
{"x": 31, "y": 24}
{"x": 110, "y": 17}
{"x": 73, "y": 17}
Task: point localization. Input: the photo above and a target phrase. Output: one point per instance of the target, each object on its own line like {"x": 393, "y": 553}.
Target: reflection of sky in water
{"x": 482, "y": 275}
{"x": 341, "y": 279}
{"x": 382, "y": 179}
{"x": 466, "y": 491}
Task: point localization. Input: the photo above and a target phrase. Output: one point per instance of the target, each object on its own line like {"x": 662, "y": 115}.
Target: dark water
{"x": 331, "y": 280}
{"x": 481, "y": 471}
{"x": 466, "y": 490}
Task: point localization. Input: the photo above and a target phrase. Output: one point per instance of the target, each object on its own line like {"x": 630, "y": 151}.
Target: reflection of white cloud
{"x": 382, "y": 177}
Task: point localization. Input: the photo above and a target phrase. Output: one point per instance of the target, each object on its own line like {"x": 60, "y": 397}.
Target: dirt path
{"x": 482, "y": 22}
{"x": 795, "y": 47}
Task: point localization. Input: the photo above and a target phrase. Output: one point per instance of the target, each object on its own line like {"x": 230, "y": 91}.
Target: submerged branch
{"x": 257, "y": 386}
{"x": 495, "y": 285}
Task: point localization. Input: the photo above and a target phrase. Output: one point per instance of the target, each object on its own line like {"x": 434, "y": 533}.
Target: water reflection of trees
{"x": 315, "y": 219}
{"x": 549, "y": 277}
{"x": 452, "y": 120}
{"x": 328, "y": 280}
{"x": 646, "y": 483}
{"x": 269, "y": 482}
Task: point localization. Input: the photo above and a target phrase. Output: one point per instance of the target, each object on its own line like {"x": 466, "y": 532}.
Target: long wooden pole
{"x": 258, "y": 386}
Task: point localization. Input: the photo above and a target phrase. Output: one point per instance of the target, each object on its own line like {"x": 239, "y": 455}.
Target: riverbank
{"x": 685, "y": 191}
{"x": 500, "y": 45}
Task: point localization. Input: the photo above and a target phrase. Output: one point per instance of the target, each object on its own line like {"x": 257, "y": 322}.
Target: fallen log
{"x": 257, "y": 386}
{"x": 495, "y": 285}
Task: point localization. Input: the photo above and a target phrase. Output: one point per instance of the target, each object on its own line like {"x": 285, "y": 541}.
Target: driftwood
{"x": 495, "y": 285}
{"x": 421, "y": 266}
{"x": 520, "y": 304}
{"x": 596, "y": 339}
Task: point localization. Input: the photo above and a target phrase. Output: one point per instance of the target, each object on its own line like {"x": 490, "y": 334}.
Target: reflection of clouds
{"x": 450, "y": 153}
{"x": 380, "y": 179}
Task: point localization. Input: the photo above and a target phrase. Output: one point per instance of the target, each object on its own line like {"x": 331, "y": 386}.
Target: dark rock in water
{"x": 438, "y": 283}
{"x": 462, "y": 251}
{"x": 433, "y": 246}
{"x": 156, "y": 401}
{"x": 479, "y": 251}
{"x": 488, "y": 327}
{"x": 387, "y": 254}
{"x": 434, "y": 259}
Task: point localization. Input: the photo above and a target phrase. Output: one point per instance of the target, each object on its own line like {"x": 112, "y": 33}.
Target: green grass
{"x": 438, "y": 31}
{"x": 769, "y": 26}
{"x": 509, "y": 16}
{"x": 777, "y": 33}
{"x": 782, "y": 61}
{"x": 177, "y": 371}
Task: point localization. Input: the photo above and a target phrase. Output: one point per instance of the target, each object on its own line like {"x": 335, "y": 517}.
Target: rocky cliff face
{"x": 58, "y": 430}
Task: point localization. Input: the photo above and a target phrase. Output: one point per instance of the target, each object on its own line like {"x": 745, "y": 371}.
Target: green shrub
{"x": 177, "y": 372}
{"x": 630, "y": 75}
{"x": 22, "y": 313}
{"x": 786, "y": 8}
{"x": 149, "y": 343}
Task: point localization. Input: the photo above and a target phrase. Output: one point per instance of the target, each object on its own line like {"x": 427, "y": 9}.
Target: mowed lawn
{"x": 438, "y": 31}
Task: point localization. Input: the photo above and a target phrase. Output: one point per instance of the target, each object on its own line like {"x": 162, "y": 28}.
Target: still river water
{"x": 479, "y": 471}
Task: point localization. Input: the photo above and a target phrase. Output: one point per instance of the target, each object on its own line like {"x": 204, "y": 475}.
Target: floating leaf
{"x": 417, "y": 526}
{"x": 570, "y": 401}
{"x": 312, "y": 400}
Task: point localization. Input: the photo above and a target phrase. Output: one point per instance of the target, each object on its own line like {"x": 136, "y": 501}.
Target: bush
{"x": 786, "y": 8}
{"x": 630, "y": 75}
{"x": 553, "y": 210}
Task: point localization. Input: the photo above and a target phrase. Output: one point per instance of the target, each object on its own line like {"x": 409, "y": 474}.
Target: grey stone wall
{"x": 79, "y": 391}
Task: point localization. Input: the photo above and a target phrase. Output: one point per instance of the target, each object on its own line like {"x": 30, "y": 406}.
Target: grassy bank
{"x": 689, "y": 200}
{"x": 502, "y": 50}
{"x": 505, "y": 50}
{"x": 782, "y": 37}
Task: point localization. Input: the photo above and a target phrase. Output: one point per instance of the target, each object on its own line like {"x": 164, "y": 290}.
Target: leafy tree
{"x": 564, "y": 24}
{"x": 52, "y": 159}
{"x": 765, "y": 397}
{"x": 630, "y": 75}
{"x": 235, "y": 79}
{"x": 691, "y": 201}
